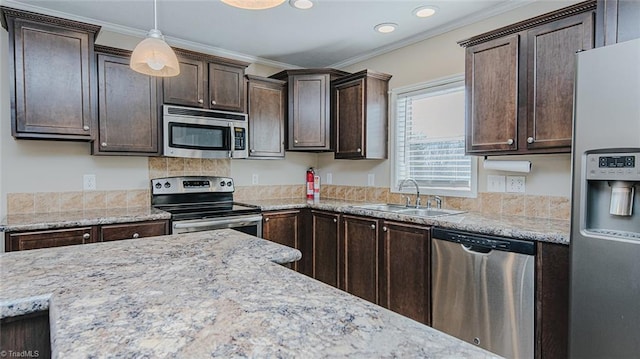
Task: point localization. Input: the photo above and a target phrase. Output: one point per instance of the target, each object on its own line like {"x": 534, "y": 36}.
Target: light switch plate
{"x": 89, "y": 182}
{"x": 254, "y": 178}
{"x": 495, "y": 183}
{"x": 371, "y": 179}
{"x": 516, "y": 184}
{"x": 329, "y": 178}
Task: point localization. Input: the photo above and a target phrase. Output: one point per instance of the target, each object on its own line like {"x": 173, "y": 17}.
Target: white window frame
{"x": 450, "y": 83}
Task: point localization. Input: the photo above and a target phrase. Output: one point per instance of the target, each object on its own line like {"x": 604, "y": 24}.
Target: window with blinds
{"x": 429, "y": 138}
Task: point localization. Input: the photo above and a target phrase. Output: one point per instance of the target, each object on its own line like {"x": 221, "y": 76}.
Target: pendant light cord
{"x": 155, "y": 15}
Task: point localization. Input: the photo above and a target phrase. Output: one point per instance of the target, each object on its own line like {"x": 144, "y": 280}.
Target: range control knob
{"x": 222, "y": 184}
{"x": 229, "y": 184}
{"x": 158, "y": 185}
{"x": 167, "y": 185}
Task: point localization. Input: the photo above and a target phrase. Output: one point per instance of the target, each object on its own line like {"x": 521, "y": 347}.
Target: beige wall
{"x": 440, "y": 57}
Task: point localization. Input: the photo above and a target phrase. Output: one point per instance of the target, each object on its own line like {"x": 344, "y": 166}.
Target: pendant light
{"x": 253, "y": 4}
{"x": 152, "y": 56}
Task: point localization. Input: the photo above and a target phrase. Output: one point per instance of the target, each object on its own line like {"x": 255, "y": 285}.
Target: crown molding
{"x": 130, "y": 31}
{"x": 505, "y": 6}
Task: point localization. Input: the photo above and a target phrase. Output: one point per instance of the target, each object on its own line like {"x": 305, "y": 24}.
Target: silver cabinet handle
{"x": 200, "y": 101}
{"x": 266, "y": 219}
{"x": 373, "y": 226}
{"x": 136, "y": 235}
{"x": 335, "y": 220}
{"x": 510, "y": 141}
{"x": 103, "y": 144}
{"x": 86, "y": 128}
{"x": 213, "y": 102}
{"x": 530, "y": 140}
{"x": 86, "y": 236}
{"x": 358, "y": 150}
{"x": 384, "y": 228}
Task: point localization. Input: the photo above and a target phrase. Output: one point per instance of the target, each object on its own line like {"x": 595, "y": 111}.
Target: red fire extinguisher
{"x": 310, "y": 175}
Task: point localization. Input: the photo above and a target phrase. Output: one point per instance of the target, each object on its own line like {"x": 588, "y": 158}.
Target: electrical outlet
{"x": 515, "y": 184}
{"x": 329, "y": 178}
{"x": 89, "y": 182}
{"x": 495, "y": 183}
{"x": 254, "y": 178}
{"x": 371, "y": 179}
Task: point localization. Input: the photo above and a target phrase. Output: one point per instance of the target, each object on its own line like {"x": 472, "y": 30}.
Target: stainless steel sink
{"x": 420, "y": 212}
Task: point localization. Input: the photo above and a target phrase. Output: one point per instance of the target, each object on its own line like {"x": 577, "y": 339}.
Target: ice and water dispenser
{"x": 612, "y": 180}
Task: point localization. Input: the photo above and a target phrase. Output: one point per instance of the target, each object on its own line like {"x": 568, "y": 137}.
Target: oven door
{"x": 250, "y": 224}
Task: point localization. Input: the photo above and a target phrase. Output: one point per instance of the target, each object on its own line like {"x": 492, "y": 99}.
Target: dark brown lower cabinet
{"x": 120, "y": 231}
{"x": 405, "y": 270}
{"x": 29, "y": 334}
{"x": 283, "y": 227}
{"x": 552, "y": 300}
{"x": 325, "y": 234}
{"x": 21, "y": 241}
{"x": 359, "y": 257}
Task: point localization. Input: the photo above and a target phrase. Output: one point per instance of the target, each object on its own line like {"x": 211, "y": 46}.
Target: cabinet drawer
{"x": 133, "y": 230}
{"x": 46, "y": 239}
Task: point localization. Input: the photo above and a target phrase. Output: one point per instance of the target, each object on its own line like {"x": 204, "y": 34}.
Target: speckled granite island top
{"x": 534, "y": 229}
{"x": 207, "y": 294}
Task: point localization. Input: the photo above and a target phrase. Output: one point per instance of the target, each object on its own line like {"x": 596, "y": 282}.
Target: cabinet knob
{"x": 384, "y": 228}
{"x": 136, "y": 235}
{"x": 358, "y": 150}
{"x": 510, "y": 141}
{"x": 373, "y": 226}
{"x": 295, "y": 141}
{"x": 529, "y": 139}
{"x": 86, "y": 128}
{"x": 266, "y": 219}
{"x": 86, "y": 236}
{"x": 335, "y": 220}
{"x": 200, "y": 101}
{"x": 252, "y": 150}
{"x": 103, "y": 144}
{"x": 213, "y": 102}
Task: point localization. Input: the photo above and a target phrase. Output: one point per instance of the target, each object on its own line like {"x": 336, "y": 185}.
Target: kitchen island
{"x": 207, "y": 294}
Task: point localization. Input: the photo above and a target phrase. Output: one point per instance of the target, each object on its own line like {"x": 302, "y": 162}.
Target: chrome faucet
{"x": 417, "y": 190}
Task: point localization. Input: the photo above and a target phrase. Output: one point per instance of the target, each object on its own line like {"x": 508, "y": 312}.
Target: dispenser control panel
{"x": 613, "y": 166}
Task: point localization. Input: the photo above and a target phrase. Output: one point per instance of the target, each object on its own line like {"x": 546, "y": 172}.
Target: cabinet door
{"x": 551, "y": 50}
{"x": 53, "y": 68}
{"x": 282, "y": 227}
{"x": 120, "y": 231}
{"x": 350, "y": 119}
{"x": 359, "y": 257}
{"x": 267, "y": 101}
{"x": 226, "y": 88}
{"x": 491, "y": 84}
{"x": 405, "y": 279}
{"x": 309, "y": 112}
{"x": 325, "y": 246}
{"x": 46, "y": 239}
{"x": 186, "y": 89}
{"x": 128, "y": 109}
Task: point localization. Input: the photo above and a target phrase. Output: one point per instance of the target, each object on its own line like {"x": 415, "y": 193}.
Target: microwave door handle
{"x": 232, "y": 135}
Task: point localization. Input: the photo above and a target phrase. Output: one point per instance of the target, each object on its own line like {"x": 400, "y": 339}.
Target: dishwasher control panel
{"x": 485, "y": 242}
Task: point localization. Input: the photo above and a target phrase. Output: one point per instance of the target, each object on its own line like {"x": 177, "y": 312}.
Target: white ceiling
{"x": 333, "y": 33}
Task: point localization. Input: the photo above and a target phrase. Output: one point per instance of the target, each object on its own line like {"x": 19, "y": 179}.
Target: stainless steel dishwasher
{"x": 483, "y": 291}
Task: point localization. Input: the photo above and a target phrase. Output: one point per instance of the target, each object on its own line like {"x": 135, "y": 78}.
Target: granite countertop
{"x": 533, "y": 229}
{"x": 54, "y": 220}
{"x": 205, "y": 294}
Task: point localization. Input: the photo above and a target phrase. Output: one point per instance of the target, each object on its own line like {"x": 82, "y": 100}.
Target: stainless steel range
{"x": 202, "y": 203}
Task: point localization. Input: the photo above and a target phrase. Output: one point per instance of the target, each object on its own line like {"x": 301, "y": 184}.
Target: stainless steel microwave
{"x": 199, "y": 133}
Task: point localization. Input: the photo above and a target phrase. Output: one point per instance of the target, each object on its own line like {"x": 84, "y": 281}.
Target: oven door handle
{"x": 225, "y": 222}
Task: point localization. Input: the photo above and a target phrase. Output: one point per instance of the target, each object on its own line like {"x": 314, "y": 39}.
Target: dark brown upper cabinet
{"x": 52, "y": 72}
{"x": 128, "y": 107}
{"x": 519, "y": 83}
{"x": 309, "y": 110}
{"x": 617, "y": 21}
{"x": 207, "y": 81}
{"x": 266, "y": 107}
{"x": 360, "y": 114}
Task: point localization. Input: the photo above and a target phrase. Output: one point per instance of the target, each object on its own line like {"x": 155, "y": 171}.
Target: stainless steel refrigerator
{"x": 604, "y": 306}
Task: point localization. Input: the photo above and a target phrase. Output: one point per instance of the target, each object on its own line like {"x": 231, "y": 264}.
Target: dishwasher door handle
{"x": 473, "y": 249}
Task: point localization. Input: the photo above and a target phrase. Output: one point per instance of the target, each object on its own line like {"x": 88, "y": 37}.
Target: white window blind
{"x": 429, "y": 139}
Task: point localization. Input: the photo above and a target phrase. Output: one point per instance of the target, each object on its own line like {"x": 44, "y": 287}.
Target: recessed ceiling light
{"x": 301, "y": 4}
{"x": 386, "y": 27}
{"x": 253, "y": 4}
{"x": 425, "y": 11}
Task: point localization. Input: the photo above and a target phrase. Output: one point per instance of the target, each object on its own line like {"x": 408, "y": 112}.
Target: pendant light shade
{"x": 152, "y": 56}
{"x": 253, "y": 4}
